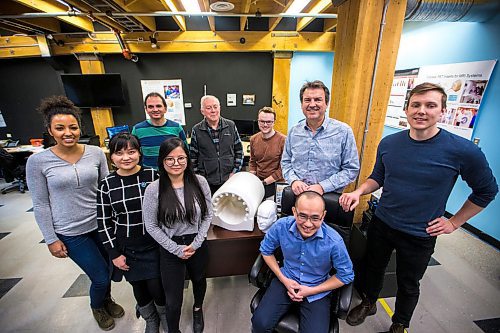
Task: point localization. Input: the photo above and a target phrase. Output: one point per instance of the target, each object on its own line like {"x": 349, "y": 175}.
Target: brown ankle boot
{"x": 357, "y": 315}
{"x": 104, "y": 320}
{"x": 114, "y": 310}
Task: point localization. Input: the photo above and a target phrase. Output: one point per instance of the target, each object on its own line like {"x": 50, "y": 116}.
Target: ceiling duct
{"x": 221, "y": 6}
{"x": 451, "y": 10}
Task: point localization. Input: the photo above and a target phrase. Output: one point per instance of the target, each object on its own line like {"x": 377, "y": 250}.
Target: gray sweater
{"x": 162, "y": 234}
{"x": 64, "y": 195}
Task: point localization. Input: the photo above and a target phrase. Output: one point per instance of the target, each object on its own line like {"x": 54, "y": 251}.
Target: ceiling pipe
{"x": 451, "y": 10}
{"x": 164, "y": 13}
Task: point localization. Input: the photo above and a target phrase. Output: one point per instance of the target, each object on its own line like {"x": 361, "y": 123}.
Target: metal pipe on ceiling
{"x": 165, "y": 13}
{"x": 451, "y": 10}
{"x": 416, "y": 10}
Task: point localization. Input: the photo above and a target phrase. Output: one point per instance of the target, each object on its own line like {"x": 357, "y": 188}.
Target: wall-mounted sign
{"x": 464, "y": 83}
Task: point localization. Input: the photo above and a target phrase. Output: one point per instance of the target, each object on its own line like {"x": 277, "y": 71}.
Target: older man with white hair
{"x": 215, "y": 150}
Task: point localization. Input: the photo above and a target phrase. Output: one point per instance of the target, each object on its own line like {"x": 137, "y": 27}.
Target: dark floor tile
{"x": 489, "y": 325}
{"x": 433, "y": 262}
{"x": 79, "y": 288}
{"x": 7, "y": 284}
{"x": 3, "y": 234}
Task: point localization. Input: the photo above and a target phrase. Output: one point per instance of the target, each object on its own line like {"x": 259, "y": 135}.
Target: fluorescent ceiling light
{"x": 297, "y": 6}
{"x": 191, "y": 6}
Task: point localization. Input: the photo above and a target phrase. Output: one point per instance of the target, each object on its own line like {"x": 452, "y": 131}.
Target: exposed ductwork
{"x": 451, "y": 10}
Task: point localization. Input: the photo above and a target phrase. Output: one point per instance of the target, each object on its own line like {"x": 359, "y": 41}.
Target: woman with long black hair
{"x": 177, "y": 213}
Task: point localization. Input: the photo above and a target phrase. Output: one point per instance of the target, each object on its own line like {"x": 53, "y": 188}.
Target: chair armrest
{"x": 344, "y": 300}
{"x": 253, "y": 275}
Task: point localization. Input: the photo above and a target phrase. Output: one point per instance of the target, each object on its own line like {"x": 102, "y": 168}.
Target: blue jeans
{"x": 89, "y": 254}
{"x": 314, "y": 317}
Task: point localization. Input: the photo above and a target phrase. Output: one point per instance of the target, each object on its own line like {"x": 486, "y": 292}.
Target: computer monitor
{"x": 112, "y": 131}
{"x": 93, "y": 90}
{"x": 246, "y": 128}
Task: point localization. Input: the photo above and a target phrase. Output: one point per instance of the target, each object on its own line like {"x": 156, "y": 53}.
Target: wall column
{"x": 281, "y": 89}
{"x": 101, "y": 117}
{"x": 358, "y": 28}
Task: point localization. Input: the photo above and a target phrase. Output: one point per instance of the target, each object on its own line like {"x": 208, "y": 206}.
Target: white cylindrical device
{"x": 235, "y": 203}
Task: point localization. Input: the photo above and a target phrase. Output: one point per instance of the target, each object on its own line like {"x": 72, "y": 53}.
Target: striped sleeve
{"x": 193, "y": 150}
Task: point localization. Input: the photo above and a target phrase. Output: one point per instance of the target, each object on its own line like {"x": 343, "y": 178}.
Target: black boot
{"x": 397, "y": 328}
{"x": 148, "y": 312}
{"x": 357, "y": 315}
{"x": 198, "y": 323}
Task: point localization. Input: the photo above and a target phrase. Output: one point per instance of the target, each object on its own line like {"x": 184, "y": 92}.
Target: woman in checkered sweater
{"x": 135, "y": 254}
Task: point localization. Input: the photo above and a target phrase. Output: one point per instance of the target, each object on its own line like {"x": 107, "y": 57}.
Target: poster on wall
{"x": 464, "y": 83}
{"x": 404, "y": 81}
{"x": 171, "y": 90}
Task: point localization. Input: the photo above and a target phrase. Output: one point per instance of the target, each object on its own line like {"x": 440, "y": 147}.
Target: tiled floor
{"x": 39, "y": 293}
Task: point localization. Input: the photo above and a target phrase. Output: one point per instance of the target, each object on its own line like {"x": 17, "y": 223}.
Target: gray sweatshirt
{"x": 64, "y": 195}
{"x": 162, "y": 234}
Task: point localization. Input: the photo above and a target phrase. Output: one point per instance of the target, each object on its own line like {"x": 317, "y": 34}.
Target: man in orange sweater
{"x": 266, "y": 148}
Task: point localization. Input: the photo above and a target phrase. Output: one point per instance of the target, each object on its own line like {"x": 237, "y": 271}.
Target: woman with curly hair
{"x": 63, "y": 184}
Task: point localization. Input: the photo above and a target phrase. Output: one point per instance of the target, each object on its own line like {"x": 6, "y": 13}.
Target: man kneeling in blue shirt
{"x": 310, "y": 250}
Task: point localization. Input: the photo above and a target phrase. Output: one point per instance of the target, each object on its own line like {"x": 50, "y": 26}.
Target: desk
{"x": 232, "y": 252}
{"x": 24, "y": 149}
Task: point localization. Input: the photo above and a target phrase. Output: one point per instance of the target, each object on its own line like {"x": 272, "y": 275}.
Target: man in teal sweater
{"x": 156, "y": 129}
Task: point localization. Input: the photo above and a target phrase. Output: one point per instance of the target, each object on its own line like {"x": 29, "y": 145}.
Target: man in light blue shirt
{"x": 320, "y": 153}
{"x": 310, "y": 250}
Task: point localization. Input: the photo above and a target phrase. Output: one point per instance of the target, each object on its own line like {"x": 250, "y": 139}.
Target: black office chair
{"x": 13, "y": 171}
{"x": 260, "y": 275}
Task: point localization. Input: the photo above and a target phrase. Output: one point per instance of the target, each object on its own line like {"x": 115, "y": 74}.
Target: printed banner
{"x": 464, "y": 83}
{"x": 172, "y": 91}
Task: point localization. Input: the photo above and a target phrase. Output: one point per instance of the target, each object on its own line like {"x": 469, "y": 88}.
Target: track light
{"x": 58, "y": 42}
{"x": 154, "y": 42}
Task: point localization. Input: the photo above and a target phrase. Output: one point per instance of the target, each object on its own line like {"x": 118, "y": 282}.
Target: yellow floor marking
{"x": 387, "y": 308}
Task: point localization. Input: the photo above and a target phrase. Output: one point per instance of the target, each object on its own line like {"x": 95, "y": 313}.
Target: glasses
{"x": 301, "y": 217}
{"x": 170, "y": 161}
{"x": 266, "y": 122}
